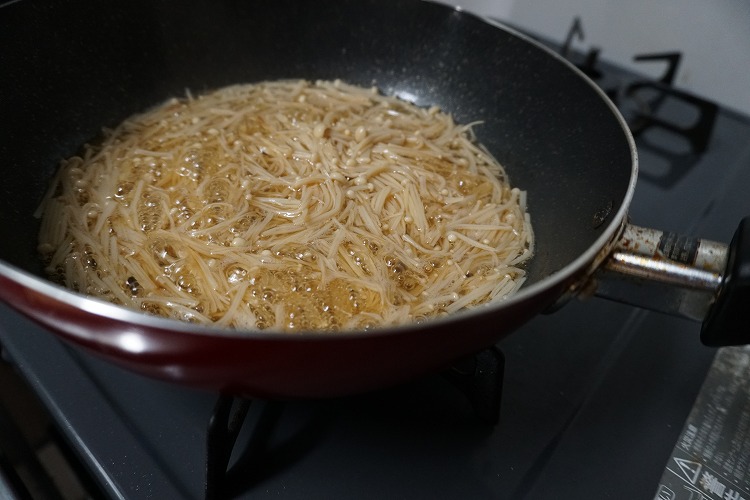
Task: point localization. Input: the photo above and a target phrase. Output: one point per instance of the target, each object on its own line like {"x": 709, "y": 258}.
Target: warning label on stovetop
{"x": 711, "y": 460}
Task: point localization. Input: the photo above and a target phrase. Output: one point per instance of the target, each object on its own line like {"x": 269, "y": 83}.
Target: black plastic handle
{"x": 727, "y": 322}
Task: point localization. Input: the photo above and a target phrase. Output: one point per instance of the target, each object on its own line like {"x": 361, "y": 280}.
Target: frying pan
{"x": 72, "y": 67}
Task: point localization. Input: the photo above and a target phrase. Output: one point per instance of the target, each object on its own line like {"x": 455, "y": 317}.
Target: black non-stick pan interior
{"x": 73, "y": 67}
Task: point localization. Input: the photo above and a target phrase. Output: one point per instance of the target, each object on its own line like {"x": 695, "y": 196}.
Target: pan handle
{"x": 697, "y": 279}
{"x": 726, "y": 322}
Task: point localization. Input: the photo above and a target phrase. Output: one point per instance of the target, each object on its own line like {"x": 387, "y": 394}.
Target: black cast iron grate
{"x": 478, "y": 377}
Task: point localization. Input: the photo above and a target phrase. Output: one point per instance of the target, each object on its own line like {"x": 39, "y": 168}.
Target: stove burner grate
{"x": 478, "y": 377}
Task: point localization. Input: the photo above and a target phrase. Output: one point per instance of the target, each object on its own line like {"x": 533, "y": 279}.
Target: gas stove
{"x": 596, "y": 400}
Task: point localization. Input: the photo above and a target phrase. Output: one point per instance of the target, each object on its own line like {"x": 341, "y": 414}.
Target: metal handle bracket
{"x": 664, "y": 272}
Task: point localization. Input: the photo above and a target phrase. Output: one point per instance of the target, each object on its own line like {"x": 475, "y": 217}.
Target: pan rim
{"x": 573, "y": 271}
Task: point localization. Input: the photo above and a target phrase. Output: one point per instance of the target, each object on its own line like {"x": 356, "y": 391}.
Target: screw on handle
{"x": 728, "y": 321}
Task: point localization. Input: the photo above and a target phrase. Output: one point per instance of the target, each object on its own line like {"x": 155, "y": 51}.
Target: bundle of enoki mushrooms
{"x": 288, "y": 205}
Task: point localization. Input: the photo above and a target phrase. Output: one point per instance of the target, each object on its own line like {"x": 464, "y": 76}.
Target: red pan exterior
{"x": 272, "y": 365}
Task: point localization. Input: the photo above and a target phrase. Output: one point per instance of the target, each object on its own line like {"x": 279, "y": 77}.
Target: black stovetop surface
{"x": 595, "y": 395}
